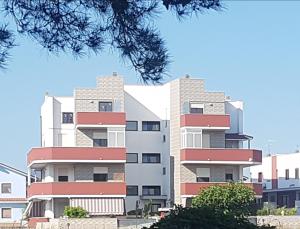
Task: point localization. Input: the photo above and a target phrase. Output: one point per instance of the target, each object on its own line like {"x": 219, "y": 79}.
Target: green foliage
{"x": 232, "y": 198}
{"x": 203, "y": 218}
{"x": 277, "y": 211}
{"x": 147, "y": 209}
{"x": 75, "y": 212}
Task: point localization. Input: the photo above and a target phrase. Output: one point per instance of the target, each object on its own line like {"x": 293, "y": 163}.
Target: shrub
{"x": 233, "y": 198}
{"x": 75, "y": 212}
{"x": 277, "y": 211}
{"x": 203, "y": 218}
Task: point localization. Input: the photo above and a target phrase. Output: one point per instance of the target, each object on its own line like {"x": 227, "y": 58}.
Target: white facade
{"x": 149, "y": 173}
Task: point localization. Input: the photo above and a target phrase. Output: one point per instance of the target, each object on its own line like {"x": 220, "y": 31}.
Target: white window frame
{"x": 6, "y": 193}
{"x": 115, "y": 133}
{"x": 184, "y": 133}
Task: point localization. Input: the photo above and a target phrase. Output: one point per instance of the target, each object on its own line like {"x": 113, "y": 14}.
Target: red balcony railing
{"x": 77, "y": 153}
{"x": 228, "y": 156}
{"x": 100, "y": 118}
{"x": 192, "y": 189}
{"x": 205, "y": 120}
{"x": 77, "y": 188}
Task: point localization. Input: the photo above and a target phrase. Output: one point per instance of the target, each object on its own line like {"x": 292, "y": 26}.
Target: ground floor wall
{"x": 282, "y": 198}
{"x": 16, "y": 212}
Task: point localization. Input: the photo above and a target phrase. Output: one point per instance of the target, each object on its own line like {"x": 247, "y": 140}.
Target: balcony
{"x": 221, "y": 156}
{"x": 205, "y": 121}
{"x": 77, "y": 154}
{"x": 192, "y": 189}
{"x": 77, "y": 189}
{"x": 95, "y": 119}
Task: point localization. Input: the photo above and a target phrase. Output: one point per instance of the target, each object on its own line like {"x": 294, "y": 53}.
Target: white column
{"x": 241, "y": 173}
{"x": 49, "y": 209}
{"x": 28, "y": 176}
{"x": 49, "y": 173}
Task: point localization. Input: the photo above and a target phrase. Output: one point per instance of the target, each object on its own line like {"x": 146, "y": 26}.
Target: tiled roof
{"x": 13, "y": 200}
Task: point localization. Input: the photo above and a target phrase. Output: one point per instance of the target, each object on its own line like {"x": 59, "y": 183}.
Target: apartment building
{"x": 113, "y": 148}
{"x": 12, "y": 195}
{"x": 279, "y": 175}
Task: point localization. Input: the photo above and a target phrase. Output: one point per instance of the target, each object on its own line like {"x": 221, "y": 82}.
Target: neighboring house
{"x": 279, "y": 175}
{"x": 113, "y": 148}
{"x": 12, "y": 194}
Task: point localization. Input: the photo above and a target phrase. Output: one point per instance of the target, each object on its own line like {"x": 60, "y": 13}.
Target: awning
{"x": 100, "y": 206}
{"x": 238, "y": 137}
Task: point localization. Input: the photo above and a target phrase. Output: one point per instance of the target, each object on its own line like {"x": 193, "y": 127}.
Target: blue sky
{"x": 251, "y": 51}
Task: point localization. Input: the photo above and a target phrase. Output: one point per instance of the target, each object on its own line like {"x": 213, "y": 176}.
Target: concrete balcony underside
{"x": 205, "y": 120}
{"x": 76, "y": 154}
{"x": 192, "y": 189}
{"x": 60, "y": 189}
{"x": 221, "y": 156}
{"x": 90, "y": 119}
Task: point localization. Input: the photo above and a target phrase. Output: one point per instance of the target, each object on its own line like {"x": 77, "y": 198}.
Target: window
{"x": 6, "y": 188}
{"x": 151, "y": 158}
{"x": 67, "y": 117}
{"x": 191, "y": 138}
{"x": 131, "y": 125}
{"x": 116, "y": 137}
{"x": 196, "y": 108}
{"x": 63, "y": 178}
{"x": 272, "y": 198}
{"x": 132, "y": 190}
{"x": 151, "y": 190}
{"x": 6, "y": 213}
{"x": 260, "y": 177}
{"x": 287, "y": 174}
{"x": 203, "y": 174}
{"x": 151, "y": 126}
{"x": 228, "y": 177}
{"x": 164, "y": 171}
{"x": 105, "y": 106}
{"x": 155, "y": 207}
{"x": 100, "y": 138}
{"x": 285, "y": 200}
{"x": 131, "y": 158}
{"x": 100, "y": 142}
{"x": 297, "y": 173}
{"x": 100, "y": 174}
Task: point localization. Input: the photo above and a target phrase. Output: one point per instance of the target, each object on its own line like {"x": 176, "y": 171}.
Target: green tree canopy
{"x": 203, "y": 218}
{"x": 232, "y": 198}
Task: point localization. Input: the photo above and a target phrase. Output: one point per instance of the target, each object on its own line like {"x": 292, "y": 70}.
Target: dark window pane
{"x": 6, "y": 213}
{"x": 155, "y": 207}
{"x": 132, "y": 190}
{"x": 131, "y": 125}
{"x": 196, "y": 110}
{"x": 67, "y": 117}
{"x": 287, "y": 174}
{"x": 5, "y": 188}
{"x": 151, "y": 158}
{"x": 151, "y": 191}
{"x": 296, "y": 173}
{"x": 202, "y": 179}
{"x": 260, "y": 177}
{"x": 131, "y": 158}
{"x": 105, "y": 106}
{"x": 228, "y": 177}
{"x": 100, "y": 177}
{"x": 63, "y": 178}
{"x": 100, "y": 142}
{"x": 151, "y": 126}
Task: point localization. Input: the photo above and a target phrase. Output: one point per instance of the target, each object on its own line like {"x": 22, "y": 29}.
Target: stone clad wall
{"x": 281, "y": 222}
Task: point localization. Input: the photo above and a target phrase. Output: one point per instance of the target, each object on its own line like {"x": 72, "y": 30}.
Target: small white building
{"x": 12, "y": 195}
{"x": 279, "y": 175}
